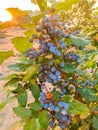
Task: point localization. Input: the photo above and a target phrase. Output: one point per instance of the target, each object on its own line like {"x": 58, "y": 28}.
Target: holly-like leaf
{"x": 68, "y": 68}
{"x": 43, "y": 119}
{"x": 36, "y": 106}
{"x": 95, "y": 122}
{"x": 79, "y": 41}
{"x": 22, "y": 99}
{"x": 88, "y": 93}
{"x": 21, "y": 44}
{"x": 22, "y": 112}
{"x": 4, "y": 55}
{"x": 78, "y": 108}
{"x": 35, "y": 91}
{"x": 30, "y": 124}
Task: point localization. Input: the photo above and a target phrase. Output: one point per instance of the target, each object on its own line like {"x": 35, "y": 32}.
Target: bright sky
{"x": 21, "y": 4}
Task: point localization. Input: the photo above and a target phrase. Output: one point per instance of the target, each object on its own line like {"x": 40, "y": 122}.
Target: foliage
{"x": 5, "y": 55}
{"x": 58, "y": 67}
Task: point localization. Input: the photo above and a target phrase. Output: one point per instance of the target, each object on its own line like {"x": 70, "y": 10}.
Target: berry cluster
{"x": 53, "y": 49}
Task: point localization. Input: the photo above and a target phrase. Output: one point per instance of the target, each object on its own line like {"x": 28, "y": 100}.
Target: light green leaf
{"x": 65, "y": 5}
{"x": 4, "y": 55}
{"x": 36, "y": 106}
{"x": 43, "y": 119}
{"x": 6, "y": 102}
{"x": 30, "y": 124}
{"x": 32, "y": 70}
{"x": 68, "y": 68}
{"x": 21, "y": 44}
{"x": 11, "y": 77}
{"x": 22, "y": 99}
{"x": 79, "y": 41}
{"x": 88, "y": 93}
{"x": 95, "y": 122}
{"x": 35, "y": 91}
{"x": 22, "y": 112}
{"x": 78, "y": 108}
{"x": 18, "y": 67}
{"x": 30, "y": 32}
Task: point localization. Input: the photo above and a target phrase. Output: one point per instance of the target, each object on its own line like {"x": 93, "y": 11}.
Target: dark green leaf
{"x": 30, "y": 124}
{"x": 88, "y": 93}
{"x": 56, "y": 96}
{"x": 36, "y": 106}
{"x": 95, "y": 122}
{"x": 11, "y": 82}
{"x": 22, "y": 44}
{"x": 78, "y": 108}
{"x": 79, "y": 41}
{"x": 68, "y": 68}
{"x": 35, "y": 114}
{"x": 4, "y": 55}
{"x": 22, "y": 99}
{"x": 35, "y": 91}
{"x": 22, "y": 112}
{"x": 43, "y": 119}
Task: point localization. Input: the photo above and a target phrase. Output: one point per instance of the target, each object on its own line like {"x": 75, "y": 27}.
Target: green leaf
{"x": 68, "y": 68}
{"x": 43, "y": 119}
{"x": 35, "y": 91}
{"x": 78, "y": 108}
{"x": 30, "y": 32}
{"x": 79, "y": 41}
{"x": 67, "y": 98}
{"x": 88, "y": 93}
{"x": 6, "y": 102}
{"x": 30, "y": 124}
{"x": 16, "y": 125}
{"x": 12, "y": 76}
{"x": 42, "y": 4}
{"x": 21, "y": 44}
{"x": 32, "y": 70}
{"x": 91, "y": 52}
{"x": 36, "y": 106}
{"x": 5, "y": 55}
{"x": 11, "y": 82}
{"x": 18, "y": 67}
{"x": 56, "y": 96}
{"x": 66, "y": 5}
{"x": 37, "y": 17}
{"x": 34, "y": 1}
{"x": 96, "y": 73}
{"x": 22, "y": 112}
{"x": 22, "y": 99}
{"x": 95, "y": 122}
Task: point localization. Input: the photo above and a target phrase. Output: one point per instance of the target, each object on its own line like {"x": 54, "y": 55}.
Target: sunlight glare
{"x": 6, "y": 16}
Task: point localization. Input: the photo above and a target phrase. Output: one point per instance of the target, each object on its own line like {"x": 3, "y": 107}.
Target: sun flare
{"x": 6, "y": 16}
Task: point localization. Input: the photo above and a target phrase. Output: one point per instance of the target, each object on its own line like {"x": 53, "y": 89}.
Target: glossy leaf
{"x": 4, "y": 55}
{"x": 78, "y": 108}
{"x": 68, "y": 68}
{"x": 36, "y": 106}
{"x": 35, "y": 91}
{"x": 22, "y": 99}
{"x": 43, "y": 119}
{"x": 22, "y": 112}
{"x": 30, "y": 124}
{"x": 79, "y": 41}
{"x": 88, "y": 93}
{"x": 21, "y": 44}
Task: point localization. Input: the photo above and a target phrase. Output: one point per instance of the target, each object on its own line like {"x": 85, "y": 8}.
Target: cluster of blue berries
{"x": 51, "y": 37}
